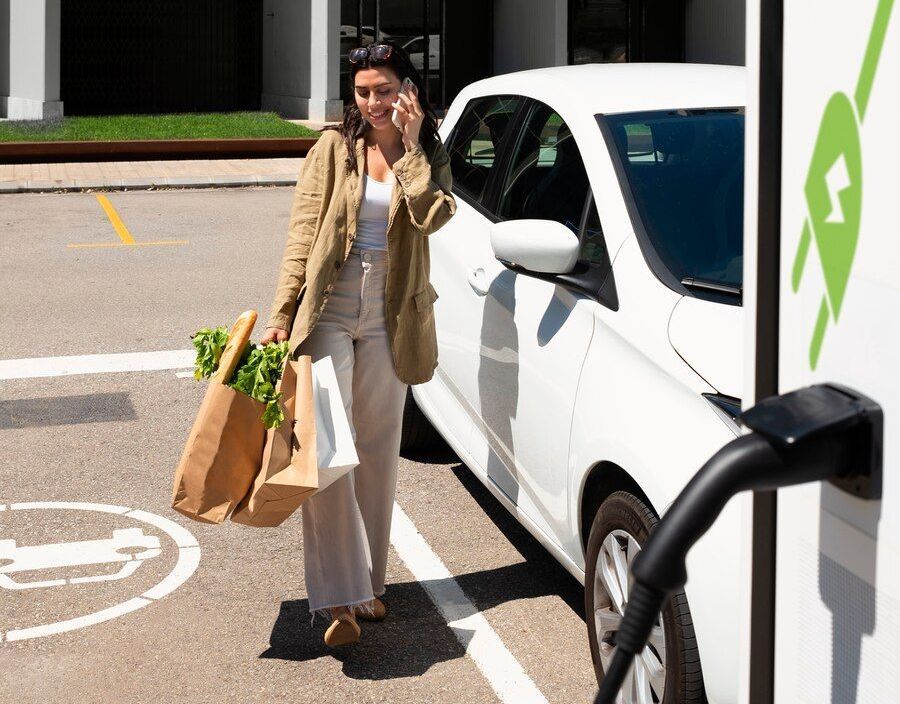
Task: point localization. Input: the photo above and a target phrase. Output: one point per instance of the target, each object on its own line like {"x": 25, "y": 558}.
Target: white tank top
{"x": 371, "y": 229}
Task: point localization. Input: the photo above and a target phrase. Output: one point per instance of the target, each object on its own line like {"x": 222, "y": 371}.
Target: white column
{"x": 4, "y": 55}
{"x": 324, "y": 47}
{"x": 301, "y": 42}
{"x": 34, "y": 30}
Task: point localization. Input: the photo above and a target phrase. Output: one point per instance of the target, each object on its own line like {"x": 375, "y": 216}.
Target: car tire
{"x": 623, "y": 517}
{"x": 417, "y": 432}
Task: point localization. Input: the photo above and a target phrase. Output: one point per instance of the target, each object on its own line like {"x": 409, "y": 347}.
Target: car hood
{"x": 710, "y": 338}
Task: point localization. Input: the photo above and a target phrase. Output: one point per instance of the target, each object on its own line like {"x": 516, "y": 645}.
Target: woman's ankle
{"x": 339, "y": 611}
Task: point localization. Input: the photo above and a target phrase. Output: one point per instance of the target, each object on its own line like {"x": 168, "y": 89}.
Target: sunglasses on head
{"x": 370, "y": 53}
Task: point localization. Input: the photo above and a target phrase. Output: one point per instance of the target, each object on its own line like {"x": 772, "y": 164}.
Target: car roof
{"x": 621, "y": 87}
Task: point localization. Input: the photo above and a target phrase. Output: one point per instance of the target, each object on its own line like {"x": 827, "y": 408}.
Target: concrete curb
{"x": 143, "y": 184}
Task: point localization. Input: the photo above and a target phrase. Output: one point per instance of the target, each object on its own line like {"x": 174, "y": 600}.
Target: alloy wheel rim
{"x": 646, "y": 680}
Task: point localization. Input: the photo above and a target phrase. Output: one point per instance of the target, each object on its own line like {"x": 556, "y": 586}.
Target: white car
{"x": 590, "y": 334}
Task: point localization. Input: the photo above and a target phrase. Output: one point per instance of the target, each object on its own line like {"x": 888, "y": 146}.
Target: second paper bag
{"x": 289, "y": 474}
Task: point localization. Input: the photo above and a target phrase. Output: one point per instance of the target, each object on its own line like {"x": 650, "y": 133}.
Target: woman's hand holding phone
{"x": 407, "y": 115}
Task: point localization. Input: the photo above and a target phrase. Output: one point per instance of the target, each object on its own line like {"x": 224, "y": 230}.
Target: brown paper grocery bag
{"x": 221, "y": 456}
{"x": 290, "y": 472}
{"x": 223, "y": 450}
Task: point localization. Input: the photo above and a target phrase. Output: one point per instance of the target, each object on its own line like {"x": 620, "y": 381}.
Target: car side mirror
{"x": 543, "y": 246}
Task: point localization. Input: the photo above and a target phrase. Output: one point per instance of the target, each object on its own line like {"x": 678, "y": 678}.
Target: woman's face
{"x": 374, "y": 89}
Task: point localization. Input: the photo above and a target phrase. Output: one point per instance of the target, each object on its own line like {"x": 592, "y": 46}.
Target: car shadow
{"x": 541, "y": 572}
{"x": 541, "y": 564}
{"x": 438, "y": 453}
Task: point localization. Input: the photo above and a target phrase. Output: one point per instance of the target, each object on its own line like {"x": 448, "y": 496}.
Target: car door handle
{"x": 477, "y": 280}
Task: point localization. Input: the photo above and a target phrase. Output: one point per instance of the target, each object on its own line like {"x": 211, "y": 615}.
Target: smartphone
{"x": 407, "y": 88}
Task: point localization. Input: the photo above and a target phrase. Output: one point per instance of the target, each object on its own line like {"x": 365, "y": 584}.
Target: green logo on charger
{"x": 834, "y": 188}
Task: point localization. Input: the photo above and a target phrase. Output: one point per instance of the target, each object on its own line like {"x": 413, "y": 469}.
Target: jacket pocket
{"x": 425, "y": 299}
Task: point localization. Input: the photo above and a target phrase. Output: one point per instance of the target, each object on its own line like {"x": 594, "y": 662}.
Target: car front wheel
{"x": 668, "y": 669}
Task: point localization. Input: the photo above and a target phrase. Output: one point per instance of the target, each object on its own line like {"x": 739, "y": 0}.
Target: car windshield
{"x": 684, "y": 171}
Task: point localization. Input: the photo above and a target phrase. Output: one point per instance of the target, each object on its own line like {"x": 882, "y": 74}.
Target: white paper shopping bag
{"x": 335, "y": 449}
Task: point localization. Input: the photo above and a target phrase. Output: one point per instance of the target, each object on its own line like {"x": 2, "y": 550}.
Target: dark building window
{"x": 413, "y": 24}
{"x": 450, "y": 43}
{"x": 134, "y": 56}
{"x": 602, "y": 31}
{"x": 598, "y": 31}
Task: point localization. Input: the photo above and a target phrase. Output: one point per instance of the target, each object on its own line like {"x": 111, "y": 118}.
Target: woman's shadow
{"x": 415, "y": 635}
{"x": 412, "y": 638}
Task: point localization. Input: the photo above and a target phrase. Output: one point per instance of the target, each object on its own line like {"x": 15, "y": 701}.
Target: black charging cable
{"x": 821, "y": 432}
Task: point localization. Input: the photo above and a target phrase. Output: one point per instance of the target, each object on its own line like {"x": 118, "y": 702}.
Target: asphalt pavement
{"x": 151, "y": 607}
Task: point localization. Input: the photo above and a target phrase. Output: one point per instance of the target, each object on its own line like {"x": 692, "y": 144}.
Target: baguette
{"x": 234, "y": 348}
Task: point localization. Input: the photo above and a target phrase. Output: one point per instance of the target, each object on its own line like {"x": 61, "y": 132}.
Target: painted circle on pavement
{"x": 121, "y": 549}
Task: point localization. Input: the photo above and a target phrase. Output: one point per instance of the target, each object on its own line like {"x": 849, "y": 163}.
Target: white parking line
{"x": 95, "y": 364}
{"x": 502, "y": 671}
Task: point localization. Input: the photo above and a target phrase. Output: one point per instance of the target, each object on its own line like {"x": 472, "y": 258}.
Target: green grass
{"x": 136, "y": 127}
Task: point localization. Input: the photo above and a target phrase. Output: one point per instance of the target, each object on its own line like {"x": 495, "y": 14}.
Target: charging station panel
{"x": 837, "y": 609}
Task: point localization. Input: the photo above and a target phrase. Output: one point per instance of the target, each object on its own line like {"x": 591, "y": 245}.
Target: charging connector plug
{"x": 820, "y": 432}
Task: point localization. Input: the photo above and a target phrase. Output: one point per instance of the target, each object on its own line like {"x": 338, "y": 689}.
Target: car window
{"x": 477, "y": 138}
{"x": 546, "y": 178}
{"x": 684, "y": 170}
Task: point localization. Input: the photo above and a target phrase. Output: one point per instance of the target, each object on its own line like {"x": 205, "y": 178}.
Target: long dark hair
{"x": 353, "y": 126}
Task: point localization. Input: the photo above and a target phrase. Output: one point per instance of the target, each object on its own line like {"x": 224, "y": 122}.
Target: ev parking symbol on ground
{"x": 124, "y": 557}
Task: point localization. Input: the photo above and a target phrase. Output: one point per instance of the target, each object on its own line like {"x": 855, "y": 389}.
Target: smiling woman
{"x": 354, "y": 286}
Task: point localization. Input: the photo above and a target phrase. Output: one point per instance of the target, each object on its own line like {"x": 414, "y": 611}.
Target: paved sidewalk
{"x": 137, "y": 175}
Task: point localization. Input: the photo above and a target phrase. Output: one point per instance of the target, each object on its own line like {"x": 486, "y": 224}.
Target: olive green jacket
{"x": 322, "y": 229}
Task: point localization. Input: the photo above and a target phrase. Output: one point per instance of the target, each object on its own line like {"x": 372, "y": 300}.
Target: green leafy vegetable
{"x": 257, "y": 376}
{"x": 209, "y": 345}
{"x": 257, "y": 372}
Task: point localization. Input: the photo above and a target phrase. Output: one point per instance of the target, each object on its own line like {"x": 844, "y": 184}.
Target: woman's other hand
{"x": 273, "y": 335}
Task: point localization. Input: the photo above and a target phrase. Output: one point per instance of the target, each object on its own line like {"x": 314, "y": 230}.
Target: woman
{"x": 354, "y": 286}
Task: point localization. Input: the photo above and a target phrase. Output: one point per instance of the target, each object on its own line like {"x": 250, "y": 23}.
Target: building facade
{"x": 134, "y": 56}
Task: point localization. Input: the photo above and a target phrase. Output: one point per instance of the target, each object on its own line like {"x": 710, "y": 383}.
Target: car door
{"x": 536, "y": 329}
{"x": 458, "y": 254}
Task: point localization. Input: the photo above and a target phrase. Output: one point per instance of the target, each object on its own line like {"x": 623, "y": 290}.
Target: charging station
{"x": 828, "y": 76}
{"x": 821, "y": 399}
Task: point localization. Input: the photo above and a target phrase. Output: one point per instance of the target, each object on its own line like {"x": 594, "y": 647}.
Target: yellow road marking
{"x": 116, "y": 221}
{"x": 128, "y": 244}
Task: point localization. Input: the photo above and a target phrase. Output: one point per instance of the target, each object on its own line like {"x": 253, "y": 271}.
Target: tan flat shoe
{"x": 344, "y": 630}
{"x": 379, "y": 611}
